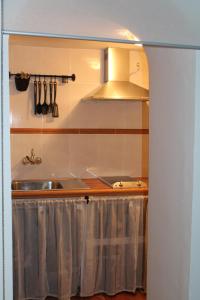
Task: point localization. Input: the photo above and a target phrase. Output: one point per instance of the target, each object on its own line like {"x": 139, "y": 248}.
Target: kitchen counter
{"x": 96, "y": 187}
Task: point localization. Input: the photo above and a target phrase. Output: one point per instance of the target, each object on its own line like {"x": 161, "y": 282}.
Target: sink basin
{"x": 23, "y": 185}
{"x": 68, "y": 184}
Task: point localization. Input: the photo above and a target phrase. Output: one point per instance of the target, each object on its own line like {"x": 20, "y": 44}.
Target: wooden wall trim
{"x": 78, "y": 131}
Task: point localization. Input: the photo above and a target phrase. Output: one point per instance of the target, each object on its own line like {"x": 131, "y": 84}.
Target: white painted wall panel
{"x": 172, "y": 94}
{"x": 195, "y": 235}
{"x": 172, "y": 21}
{"x": 1, "y": 188}
{"x": 6, "y": 170}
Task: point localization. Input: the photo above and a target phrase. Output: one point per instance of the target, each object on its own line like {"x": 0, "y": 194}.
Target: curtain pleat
{"x": 65, "y": 247}
{"x": 112, "y": 259}
{"x": 47, "y": 240}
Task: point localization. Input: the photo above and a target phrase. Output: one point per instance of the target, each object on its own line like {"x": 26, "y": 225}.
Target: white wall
{"x": 194, "y": 291}
{"x": 172, "y": 82}
{"x": 61, "y": 155}
{"x": 6, "y": 204}
{"x": 1, "y": 187}
{"x": 172, "y": 21}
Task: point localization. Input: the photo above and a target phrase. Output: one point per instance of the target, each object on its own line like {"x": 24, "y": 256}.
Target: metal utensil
{"x": 35, "y": 96}
{"x": 45, "y": 106}
{"x": 55, "y": 113}
{"x": 50, "y": 108}
{"x": 39, "y": 105}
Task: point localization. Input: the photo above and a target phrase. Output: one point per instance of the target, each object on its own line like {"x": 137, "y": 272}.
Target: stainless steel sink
{"x": 23, "y": 185}
{"x": 27, "y": 185}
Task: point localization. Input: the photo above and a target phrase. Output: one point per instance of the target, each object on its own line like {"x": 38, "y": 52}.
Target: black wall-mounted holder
{"x": 22, "y": 79}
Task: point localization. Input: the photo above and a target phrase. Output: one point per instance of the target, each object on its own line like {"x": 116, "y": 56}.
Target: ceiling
{"x": 161, "y": 21}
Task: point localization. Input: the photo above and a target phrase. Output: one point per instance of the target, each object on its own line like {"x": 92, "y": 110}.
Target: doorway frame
{"x": 6, "y": 285}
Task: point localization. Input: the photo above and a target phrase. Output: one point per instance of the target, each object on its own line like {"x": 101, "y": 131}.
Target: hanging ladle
{"x": 39, "y": 105}
{"x": 35, "y": 96}
{"x": 50, "y": 108}
{"x": 45, "y": 106}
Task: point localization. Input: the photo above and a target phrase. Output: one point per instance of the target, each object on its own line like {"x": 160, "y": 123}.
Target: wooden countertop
{"x": 96, "y": 187}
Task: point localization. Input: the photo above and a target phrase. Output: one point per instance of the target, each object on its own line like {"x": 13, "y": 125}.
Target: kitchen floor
{"x": 120, "y": 296}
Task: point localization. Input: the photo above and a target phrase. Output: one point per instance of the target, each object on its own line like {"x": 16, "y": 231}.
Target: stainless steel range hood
{"x": 116, "y": 84}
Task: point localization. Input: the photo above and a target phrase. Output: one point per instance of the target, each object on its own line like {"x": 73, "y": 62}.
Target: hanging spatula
{"x": 55, "y": 113}
{"x": 50, "y": 108}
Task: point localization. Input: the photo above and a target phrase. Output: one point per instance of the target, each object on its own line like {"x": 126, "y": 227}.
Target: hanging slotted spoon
{"x": 45, "y": 106}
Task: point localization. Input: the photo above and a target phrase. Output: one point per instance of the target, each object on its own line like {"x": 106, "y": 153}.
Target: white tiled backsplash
{"x": 80, "y": 155}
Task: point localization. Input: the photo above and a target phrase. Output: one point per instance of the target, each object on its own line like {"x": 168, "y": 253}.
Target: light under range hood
{"x": 116, "y": 84}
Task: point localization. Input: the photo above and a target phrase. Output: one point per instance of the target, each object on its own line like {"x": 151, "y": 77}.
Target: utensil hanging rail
{"x": 64, "y": 78}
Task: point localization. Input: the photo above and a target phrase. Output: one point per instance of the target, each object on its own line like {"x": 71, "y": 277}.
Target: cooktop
{"x": 120, "y": 182}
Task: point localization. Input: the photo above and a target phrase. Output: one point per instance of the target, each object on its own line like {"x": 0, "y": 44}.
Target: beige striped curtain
{"x": 65, "y": 247}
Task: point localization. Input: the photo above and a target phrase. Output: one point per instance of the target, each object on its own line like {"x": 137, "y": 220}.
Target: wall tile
{"x": 53, "y": 149}
{"x": 81, "y": 155}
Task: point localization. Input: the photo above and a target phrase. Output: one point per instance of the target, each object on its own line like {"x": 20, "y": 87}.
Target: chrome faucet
{"x": 32, "y": 159}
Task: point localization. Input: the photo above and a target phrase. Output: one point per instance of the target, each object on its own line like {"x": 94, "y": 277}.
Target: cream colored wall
{"x": 64, "y": 155}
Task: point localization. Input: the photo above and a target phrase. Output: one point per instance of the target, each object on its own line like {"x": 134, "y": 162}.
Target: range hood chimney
{"x": 116, "y": 84}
